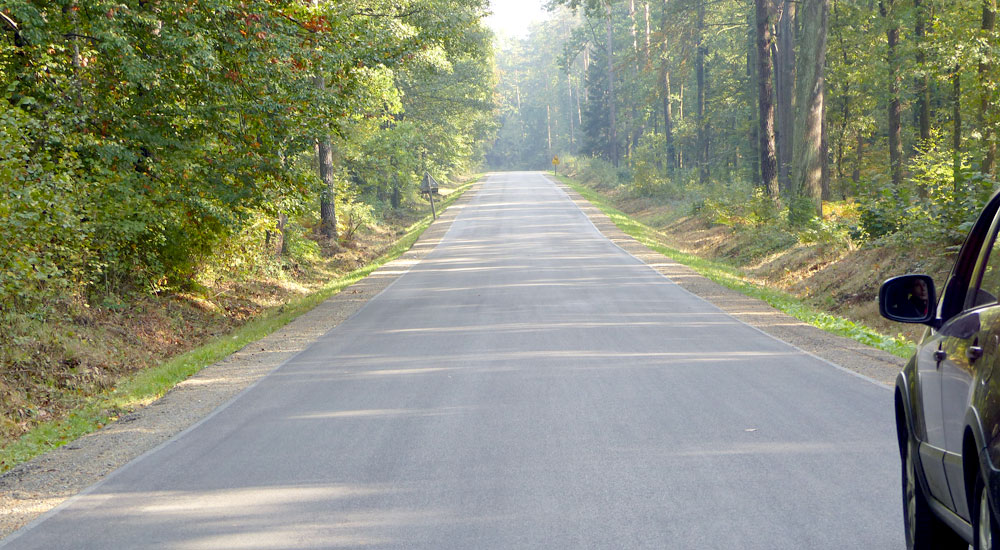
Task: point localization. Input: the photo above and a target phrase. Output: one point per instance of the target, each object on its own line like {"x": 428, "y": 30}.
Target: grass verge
{"x": 150, "y": 384}
{"x": 731, "y": 277}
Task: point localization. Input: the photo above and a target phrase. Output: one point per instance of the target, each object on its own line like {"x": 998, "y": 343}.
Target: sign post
{"x": 555, "y": 164}
{"x": 429, "y": 186}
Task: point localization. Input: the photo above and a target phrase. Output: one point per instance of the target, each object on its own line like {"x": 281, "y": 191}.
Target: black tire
{"x": 924, "y": 530}
{"x": 984, "y": 525}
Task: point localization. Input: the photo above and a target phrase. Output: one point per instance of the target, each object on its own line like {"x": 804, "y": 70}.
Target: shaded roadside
{"x": 35, "y": 487}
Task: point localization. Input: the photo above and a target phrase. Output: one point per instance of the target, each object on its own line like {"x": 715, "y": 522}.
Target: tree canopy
{"x": 796, "y": 101}
{"x": 138, "y": 135}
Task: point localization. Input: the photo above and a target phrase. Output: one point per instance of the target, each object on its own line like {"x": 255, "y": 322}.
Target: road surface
{"x": 527, "y": 385}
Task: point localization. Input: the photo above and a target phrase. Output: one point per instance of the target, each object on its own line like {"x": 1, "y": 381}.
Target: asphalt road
{"x": 528, "y": 385}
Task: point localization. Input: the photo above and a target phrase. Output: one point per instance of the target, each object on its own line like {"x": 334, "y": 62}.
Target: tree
{"x": 895, "y": 108}
{"x": 810, "y": 154}
{"x": 764, "y": 10}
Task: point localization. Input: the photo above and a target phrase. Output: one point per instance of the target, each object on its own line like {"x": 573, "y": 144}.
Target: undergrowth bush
{"x": 245, "y": 255}
{"x": 938, "y": 203}
{"x": 757, "y": 243}
{"x": 732, "y": 208}
{"x": 596, "y": 172}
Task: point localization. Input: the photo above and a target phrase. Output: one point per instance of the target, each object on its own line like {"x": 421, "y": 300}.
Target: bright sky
{"x": 512, "y": 17}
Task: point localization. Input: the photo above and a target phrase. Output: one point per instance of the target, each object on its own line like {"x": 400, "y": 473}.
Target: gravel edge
{"x": 879, "y": 366}
{"x": 35, "y": 487}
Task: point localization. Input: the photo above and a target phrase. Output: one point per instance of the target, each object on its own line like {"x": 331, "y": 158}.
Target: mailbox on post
{"x": 428, "y": 185}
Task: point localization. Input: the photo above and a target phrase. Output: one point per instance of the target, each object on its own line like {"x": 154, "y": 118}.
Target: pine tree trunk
{"x": 895, "y": 108}
{"x": 569, "y": 111}
{"x": 765, "y": 99}
{"x": 613, "y": 130}
{"x": 989, "y": 145}
{"x": 753, "y": 128}
{"x": 283, "y": 229}
{"x": 548, "y": 127}
{"x": 785, "y": 92}
{"x": 859, "y": 155}
{"x": 923, "y": 89}
{"x": 956, "y": 116}
{"x": 668, "y": 117}
{"x": 324, "y": 156}
{"x": 809, "y": 158}
{"x": 701, "y": 154}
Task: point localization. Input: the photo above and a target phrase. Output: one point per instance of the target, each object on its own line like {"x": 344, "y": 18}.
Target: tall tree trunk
{"x": 635, "y": 122}
{"x": 845, "y": 113}
{"x": 859, "y": 155}
{"x": 807, "y": 164}
{"x": 701, "y": 154}
{"x": 845, "y": 98}
{"x": 956, "y": 119}
{"x": 986, "y": 116}
{"x": 824, "y": 151}
{"x": 645, "y": 61}
{"x": 548, "y": 126}
{"x": 895, "y": 109}
{"x": 785, "y": 77}
{"x": 324, "y": 157}
{"x": 635, "y": 35}
{"x": 753, "y": 128}
{"x": 923, "y": 88}
{"x": 613, "y": 130}
{"x": 668, "y": 116}
{"x": 569, "y": 112}
{"x": 283, "y": 230}
{"x": 764, "y": 11}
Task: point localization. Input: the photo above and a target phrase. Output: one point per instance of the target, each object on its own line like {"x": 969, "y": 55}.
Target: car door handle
{"x": 973, "y": 352}
{"x": 940, "y": 355}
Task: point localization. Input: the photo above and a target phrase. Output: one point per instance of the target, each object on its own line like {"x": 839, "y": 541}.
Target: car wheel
{"x": 924, "y": 530}
{"x": 983, "y": 524}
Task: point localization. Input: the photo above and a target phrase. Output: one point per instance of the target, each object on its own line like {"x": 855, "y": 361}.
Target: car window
{"x": 987, "y": 288}
{"x": 965, "y": 274}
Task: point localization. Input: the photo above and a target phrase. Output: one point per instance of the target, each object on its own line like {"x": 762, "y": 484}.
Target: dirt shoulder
{"x": 31, "y": 489}
{"x": 877, "y": 365}
{"x": 35, "y": 487}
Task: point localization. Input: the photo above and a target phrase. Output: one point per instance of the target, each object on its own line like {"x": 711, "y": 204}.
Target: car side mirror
{"x": 908, "y": 299}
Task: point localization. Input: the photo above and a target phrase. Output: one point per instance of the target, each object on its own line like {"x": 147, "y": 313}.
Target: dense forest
{"x": 142, "y": 142}
{"x": 172, "y": 171}
{"x": 760, "y": 111}
{"x": 152, "y": 148}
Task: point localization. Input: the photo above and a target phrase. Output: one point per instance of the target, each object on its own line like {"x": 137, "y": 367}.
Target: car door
{"x": 942, "y": 350}
{"x": 934, "y": 356}
{"x": 971, "y": 343}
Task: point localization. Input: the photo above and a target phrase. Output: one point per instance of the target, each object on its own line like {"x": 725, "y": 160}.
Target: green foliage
{"x": 555, "y": 90}
{"x": 596, "y": 171}
{"x": 353, "y": 215}
{"x": 830, "y": 232}
{"x": 245, "y": 255}
{"x": 938, "y": 204}
{"x": 142, "y": 143}
{"x": 734, "y": 210}
{"x": 650, "y": 179}
{"x": 733, "y": 278}
{"x": 300, "y": 248}
{"x": 801, "y": 211}
{"x": 946, "y": 202}
{"x": 880, "y": 215}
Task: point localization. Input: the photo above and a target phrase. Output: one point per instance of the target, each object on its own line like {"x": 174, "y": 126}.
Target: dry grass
{"x": 832, "y": 278}
{"x": 50, "y": 367}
